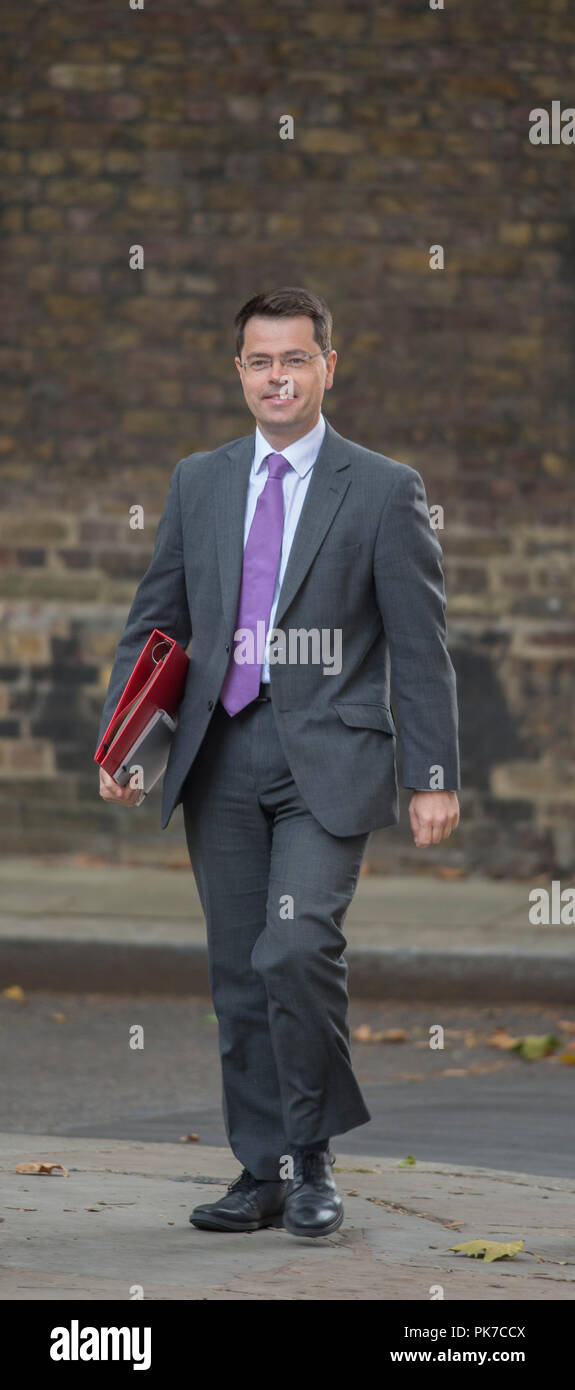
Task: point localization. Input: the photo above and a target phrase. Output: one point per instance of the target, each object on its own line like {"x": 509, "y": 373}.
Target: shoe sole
{"x": 295, "y": 1230}
{"x": 211, "y": 1223}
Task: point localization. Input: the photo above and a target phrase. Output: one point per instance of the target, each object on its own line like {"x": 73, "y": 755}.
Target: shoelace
{"x": 311, "y": 1164}
{"x": 245, "y": 1181}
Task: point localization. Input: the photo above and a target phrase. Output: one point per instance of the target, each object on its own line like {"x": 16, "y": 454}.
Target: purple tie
{"x": 259, "y": 574}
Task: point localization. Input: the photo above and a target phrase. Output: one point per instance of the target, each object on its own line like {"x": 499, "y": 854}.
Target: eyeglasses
{"x": 291, "y": 361}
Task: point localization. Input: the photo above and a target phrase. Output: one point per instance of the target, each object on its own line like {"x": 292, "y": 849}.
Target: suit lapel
{"x": 330, "y": 479}
{"x": 230, "y": 502}
{"x": 329, "y": 482}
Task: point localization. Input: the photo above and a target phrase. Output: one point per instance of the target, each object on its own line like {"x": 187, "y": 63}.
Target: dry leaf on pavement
{"x": 43, "y": 1169}
{"x": 15, "y": 992}
{"x": 490, "y": 1249}
{"x": 502, "y": 1039}
{"x": 365, "y": 1033}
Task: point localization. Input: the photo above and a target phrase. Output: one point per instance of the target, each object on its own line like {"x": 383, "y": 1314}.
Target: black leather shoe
{"x": 248, "y": 1205}
{"x": 313, "y": 1206}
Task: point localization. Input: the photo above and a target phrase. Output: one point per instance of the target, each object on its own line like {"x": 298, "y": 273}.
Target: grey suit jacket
{"x": 364, "y": 560}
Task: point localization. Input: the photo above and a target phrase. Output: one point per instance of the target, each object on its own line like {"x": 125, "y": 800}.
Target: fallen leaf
{"x": 449, "y": 871}
{"x": 15, "y": 992}
{"x": 568, "y": 1057}
{"x": 365, "y": 1033}
{"x": 500, "y": 1038}
{"x": 566, "y": 1025}
{"x": 43, "y": 1168}
{"x": 406, "y": 1162}
{"x": 59, "y": 1018}
{"x": 490, "y": 1249}
{"x": 189, "y": 1139}
{"x": 536, "y": 1045}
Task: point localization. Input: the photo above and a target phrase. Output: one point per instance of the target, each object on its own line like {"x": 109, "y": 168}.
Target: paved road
{"x": 79, "y": 1076}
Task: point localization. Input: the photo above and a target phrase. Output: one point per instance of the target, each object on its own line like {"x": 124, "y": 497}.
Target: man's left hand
{"x": 433, "y": 816}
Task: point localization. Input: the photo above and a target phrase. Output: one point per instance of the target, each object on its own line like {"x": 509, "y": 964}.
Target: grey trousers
{"x": 274, "y": 887}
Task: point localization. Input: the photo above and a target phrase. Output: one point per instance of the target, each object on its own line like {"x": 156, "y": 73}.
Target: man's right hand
{"x": 110, "y": 791}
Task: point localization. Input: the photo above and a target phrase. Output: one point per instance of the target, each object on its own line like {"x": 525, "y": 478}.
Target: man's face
{"x": 292, "y": 407}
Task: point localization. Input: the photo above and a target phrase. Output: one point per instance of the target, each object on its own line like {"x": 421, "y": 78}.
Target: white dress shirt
{"x": 302, "y": 455}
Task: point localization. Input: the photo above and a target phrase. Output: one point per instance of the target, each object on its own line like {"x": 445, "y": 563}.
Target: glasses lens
{"x": 293, "y": 362}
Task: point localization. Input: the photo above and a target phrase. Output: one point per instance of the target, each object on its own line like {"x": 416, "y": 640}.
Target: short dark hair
{"x": 286, "y": 303}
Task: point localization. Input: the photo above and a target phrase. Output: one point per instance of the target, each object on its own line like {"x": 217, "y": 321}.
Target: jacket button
{"x": 227, "y": 646}
{"x": 210, "y": 704}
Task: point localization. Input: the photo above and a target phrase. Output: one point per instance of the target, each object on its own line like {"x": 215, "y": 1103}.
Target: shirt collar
{"x": 301, "y": 454}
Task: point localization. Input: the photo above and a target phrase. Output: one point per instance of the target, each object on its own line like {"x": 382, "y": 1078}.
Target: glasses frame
{"x": 309, "y": 357}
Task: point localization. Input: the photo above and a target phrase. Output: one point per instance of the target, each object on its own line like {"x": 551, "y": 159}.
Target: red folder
{"x": 157, "y": 682}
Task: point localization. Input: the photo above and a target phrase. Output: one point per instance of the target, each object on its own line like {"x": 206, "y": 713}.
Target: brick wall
{"x": 161, "y": 128}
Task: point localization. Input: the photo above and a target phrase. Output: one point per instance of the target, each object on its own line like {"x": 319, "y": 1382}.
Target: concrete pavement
{"x": 117, "y": 1228}
{"x": 76, "y": 923}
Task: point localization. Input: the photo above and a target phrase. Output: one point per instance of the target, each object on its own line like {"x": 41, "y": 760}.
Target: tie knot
{"x": 277, "y": 465}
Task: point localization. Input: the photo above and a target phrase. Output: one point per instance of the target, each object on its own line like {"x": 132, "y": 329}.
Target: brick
{"x": 320, "y": 141}
{"x": 516, "y": 233}
{"x": 83, "y": 191}
{"x": 87, "y": 163}
{"x": 43, "y": 277}
{"x": 75, "y": 559}
{"x": 28, "y": 757}
{"x": 32, "y": 529}
{"x": 66, "y": 673}
{"x": 11, "y": 162}
{"x": 127, "y": 106}
{"x": 50, "y": 585}
{"x": 46, "y": 162}
{"x": 86, "y": 77}
{"x": 31, "y": 558}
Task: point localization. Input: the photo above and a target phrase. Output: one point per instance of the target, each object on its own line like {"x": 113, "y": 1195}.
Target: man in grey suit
{"x": 304, "y": 569}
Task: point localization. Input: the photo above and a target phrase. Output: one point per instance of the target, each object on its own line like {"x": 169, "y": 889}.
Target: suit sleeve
{"x": 160, "y": 600}
{"x": 411, "y": 598}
